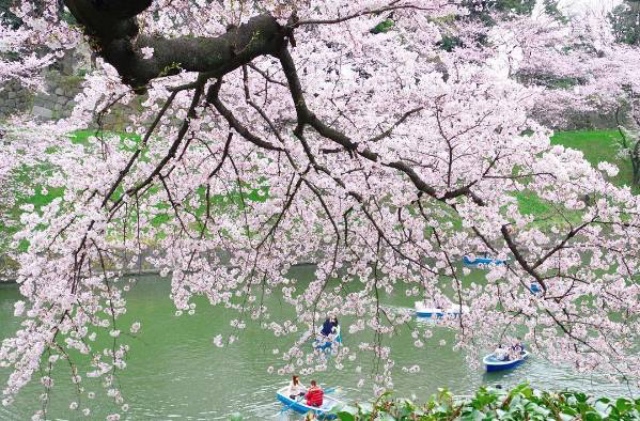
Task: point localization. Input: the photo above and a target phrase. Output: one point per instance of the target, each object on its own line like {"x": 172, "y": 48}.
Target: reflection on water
{"x": 174, "y": 371}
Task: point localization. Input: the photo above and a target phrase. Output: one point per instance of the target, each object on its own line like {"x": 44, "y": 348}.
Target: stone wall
{"x": 13, "y": 99}
{"x": 573, "y": 120}
{"x": 59, "y": 101}
{"x": 63, "y": 81}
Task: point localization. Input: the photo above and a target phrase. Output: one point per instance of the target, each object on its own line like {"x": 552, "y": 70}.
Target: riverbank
{"x": 153, "y": 272}
{"x": 596, "y": 145}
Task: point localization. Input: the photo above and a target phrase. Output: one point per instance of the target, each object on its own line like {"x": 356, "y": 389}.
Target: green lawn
{"x": 31, "y": 191}
{"x": 597, "y": 146}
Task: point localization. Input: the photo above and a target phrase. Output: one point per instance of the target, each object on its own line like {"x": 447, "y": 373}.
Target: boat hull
{"x": 324, "y": 345}
{"x": 299, "y": 407}
{"x": 492, "y": 364}
{"x": 535, "y": 288}
{"x": 433, "y": 312}
{"x": 437, "y": 313}
{"x": 481, "y": 262}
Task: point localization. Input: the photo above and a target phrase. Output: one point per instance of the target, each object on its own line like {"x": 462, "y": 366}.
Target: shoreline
{"x": 142, "y": 272}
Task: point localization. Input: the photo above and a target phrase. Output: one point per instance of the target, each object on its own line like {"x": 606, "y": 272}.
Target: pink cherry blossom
{"x": 277, "y": 133}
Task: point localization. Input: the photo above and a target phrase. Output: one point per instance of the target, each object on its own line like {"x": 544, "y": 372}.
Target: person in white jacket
{"x": 501, "y": 353}
{"x": 296, "y": 388}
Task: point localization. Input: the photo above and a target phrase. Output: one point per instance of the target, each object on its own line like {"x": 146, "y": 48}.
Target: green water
{"x": 176, "y": 373}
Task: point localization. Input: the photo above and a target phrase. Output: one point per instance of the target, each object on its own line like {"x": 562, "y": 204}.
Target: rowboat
{"x": 423, "y": 309}
{"x": 481, "y": 262}
{"x": 494, "y": 364}
{"x": 322, "y": 412}
{"x": 535, "y": 288}
{"x": 332, "y": 341}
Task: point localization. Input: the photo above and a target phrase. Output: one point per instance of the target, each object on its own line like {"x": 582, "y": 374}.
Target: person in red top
{"x": 314, "y": 395}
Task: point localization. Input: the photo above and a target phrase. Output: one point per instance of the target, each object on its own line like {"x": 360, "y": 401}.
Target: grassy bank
{"x": 597, "y": 146}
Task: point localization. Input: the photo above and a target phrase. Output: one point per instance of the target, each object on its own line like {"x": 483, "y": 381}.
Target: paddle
{"x": 287, "y": 407}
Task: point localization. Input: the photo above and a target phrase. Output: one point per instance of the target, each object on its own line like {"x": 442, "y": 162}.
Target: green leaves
{"x": 483, "y": 398}
{"x": 383, "y": 26}
{"x": 521, "y": 403}
{"x": 346, "y": 416}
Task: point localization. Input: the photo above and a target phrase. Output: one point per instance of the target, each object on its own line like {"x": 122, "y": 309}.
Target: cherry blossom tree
{"x": 581, "y": 71}
{"x": 17, "y": 60}
{"x": 378, "y": 156}
{"x": 569, "y": 60}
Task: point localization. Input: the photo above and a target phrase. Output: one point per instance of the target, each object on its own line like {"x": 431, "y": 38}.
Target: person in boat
{"x": 535, "y": 288}
{"x": 296, "y": 389}
{"x": 327, "y": 327}
{"x": 335, "y": 328}
{"x": 501, "y": 353}
{"x": 314, "y": 395}
{"x": 335, "y": 331}
{"x": 517, "y": 347}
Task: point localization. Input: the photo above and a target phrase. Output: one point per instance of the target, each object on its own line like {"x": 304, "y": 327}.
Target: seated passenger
{"x": 334, "y": 322}
{"x": 517, "y": 347}
{"x": 327, "y": 326}
{"x": 314, "y": 395}
{"x": 501, "y": 353}
{"x": 296, "y": 388}
{"x": 335, "y": 329}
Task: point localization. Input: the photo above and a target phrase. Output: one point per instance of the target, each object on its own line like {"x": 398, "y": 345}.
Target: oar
{"x": 286, "y": 408}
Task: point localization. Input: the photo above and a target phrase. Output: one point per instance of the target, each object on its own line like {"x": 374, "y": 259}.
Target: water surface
{"x": 176, "y": 373}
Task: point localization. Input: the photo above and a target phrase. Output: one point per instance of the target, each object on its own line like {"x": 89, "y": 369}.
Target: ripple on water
{"x": 542, "y": 374}
{"x": 174, "y": 371}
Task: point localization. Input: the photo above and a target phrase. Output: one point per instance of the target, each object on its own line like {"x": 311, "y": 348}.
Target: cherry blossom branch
{"x": 171, "y": 153}
{"x": 391, "y": 7}
{"x": 214, "y": 99}
{"x": 117, "y": 36}
{"x": 572, "y": 233}
{"x": 401, "y": 120}
{"x": 123, "y": 173}
{"x": 291, "y": 195}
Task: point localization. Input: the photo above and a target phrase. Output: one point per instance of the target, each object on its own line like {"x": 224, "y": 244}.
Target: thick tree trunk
{"x": 117, "y": 39}
{"x": 628, "y": 124}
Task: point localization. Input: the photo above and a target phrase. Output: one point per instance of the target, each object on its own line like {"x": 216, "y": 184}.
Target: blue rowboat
{"x": 535, "y": 288}
{"x": 425, "y": 310}
{"x": 330, "y": 342}
{"x": 494, "y": 364}
{"x": 327, "y": 344}
{"x": 322, "y": 412}
{"x": 481, "y": 262}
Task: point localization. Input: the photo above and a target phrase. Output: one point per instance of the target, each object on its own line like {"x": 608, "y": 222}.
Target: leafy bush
{"x": 523, "y": 402}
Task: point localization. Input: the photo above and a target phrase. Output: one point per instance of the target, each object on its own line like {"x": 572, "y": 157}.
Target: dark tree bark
{"x": 625, "y": 118}
{"x": 116, "y": 36}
